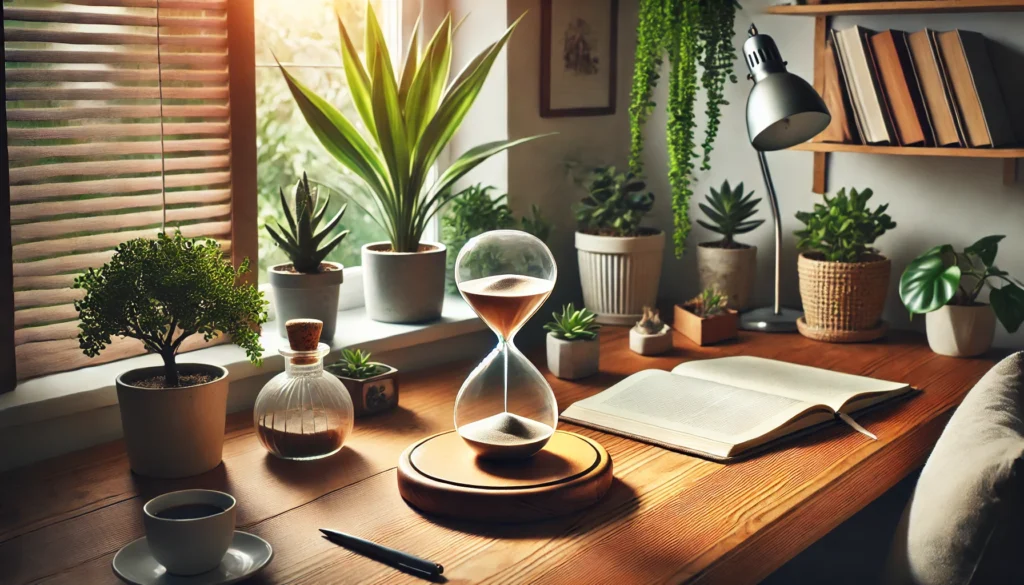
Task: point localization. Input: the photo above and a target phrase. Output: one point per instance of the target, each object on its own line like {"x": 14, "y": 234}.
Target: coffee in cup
{"x": 189, "y": 531}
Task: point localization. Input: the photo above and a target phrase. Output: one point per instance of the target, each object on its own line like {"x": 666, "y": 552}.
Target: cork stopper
{"x": 304, "y": 335}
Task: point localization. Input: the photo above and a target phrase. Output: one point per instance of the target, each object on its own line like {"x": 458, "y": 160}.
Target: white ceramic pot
{"x": 730, "y": 270}
{"x": 306, "y": 296}
{"x": 619, "y": 275}
{"x": 404, "y": 287}
{"x": 572, "y": 360}
{"x": 173, "y": 432}
{"x": 650, "y": 343}
{"x": 961, "y": 331}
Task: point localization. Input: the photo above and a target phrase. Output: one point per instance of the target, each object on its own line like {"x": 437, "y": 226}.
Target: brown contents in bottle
{"x": 299, "y": 445}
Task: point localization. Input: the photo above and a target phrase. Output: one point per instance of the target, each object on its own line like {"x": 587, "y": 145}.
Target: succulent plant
{"x": 650, "y": 323}
{"x": 615, "y": 205}
{"x": 729, "y": 212}
{"x": 842, "y": 228}
{"x": 708, "y": 303}
{"x": 356, "y": 364}
{"x": 573, "y": 325}
{"x": 299, "y": 239}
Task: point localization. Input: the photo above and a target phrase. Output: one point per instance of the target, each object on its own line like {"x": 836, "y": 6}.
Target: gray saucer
{"x": 245, "y": 557}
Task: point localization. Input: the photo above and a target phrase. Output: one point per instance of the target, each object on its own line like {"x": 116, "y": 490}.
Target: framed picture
{"x": 578, "y": 57}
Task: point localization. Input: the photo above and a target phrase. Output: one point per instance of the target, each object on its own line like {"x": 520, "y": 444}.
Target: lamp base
{"x": 767, "y": 320}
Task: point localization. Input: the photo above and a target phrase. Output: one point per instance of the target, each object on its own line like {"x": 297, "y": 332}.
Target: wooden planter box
{"x": 372, "y": 395}
{"x": 707, "y": 330}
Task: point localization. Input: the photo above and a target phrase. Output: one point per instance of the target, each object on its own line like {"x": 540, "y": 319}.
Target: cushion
{"x": 965, "y": 521}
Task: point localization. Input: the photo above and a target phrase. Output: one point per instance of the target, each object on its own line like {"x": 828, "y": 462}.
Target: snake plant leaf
{"x": 375, "y": 44}
{"x": 929, "y": 282}
{"x": 985, "y": 248}
{"x": 429, "y": 81}
{"x": 390, "y": 124}
{"x": 357, "y": 77}
{"x": 1008, "y": 304}
{"x": 411, "y": 63}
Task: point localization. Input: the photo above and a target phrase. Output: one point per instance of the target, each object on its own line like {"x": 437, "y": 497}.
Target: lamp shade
{"x": 783, "y": 110}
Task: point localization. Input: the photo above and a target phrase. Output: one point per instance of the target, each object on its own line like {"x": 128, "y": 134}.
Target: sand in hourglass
{"x": 506, "y": 436}
{"x": 506, "y": 301}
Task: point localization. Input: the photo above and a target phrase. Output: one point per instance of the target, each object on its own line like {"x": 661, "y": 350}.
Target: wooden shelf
{"x": 899, "y": 6}
{"x": 999, "y": 153}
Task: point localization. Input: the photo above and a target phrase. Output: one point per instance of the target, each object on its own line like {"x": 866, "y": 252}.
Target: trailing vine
{"x": 694, "y": 34}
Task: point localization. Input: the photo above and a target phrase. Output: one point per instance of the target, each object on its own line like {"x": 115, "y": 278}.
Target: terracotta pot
{"x": 706, "y": 330}
{"x": 403, "y": 287}
{"x": 619, "y": 275}
{"x": 961, "y": 331}
{"x": 732, "y": 271}
{"x": 572, "y": 360}
{"x": 306, "y": 296}
{"x": 173, "y": 432}
{"x": 371, "y": 395}
{"x": 843, "y": 296}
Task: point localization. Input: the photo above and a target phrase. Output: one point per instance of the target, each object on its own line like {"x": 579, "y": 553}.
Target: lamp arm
{"x": 774, "y": 201}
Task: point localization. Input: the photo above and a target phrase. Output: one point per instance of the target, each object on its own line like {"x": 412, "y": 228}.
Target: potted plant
{"x": 410, "y": 117}
{"x": 945, "y": 284}
{"x": 573, "y": 348}
{"x": 843, "y": 280}
{"x": 161, "y": 292}
{"x": 620, "y": 261}
{"x": 373, "y": 385}
{"x": 726, "y": 264}
{"x": 650, "y": 336}
{"x": 307, "y": 287}
{"x": 706, "y": 318}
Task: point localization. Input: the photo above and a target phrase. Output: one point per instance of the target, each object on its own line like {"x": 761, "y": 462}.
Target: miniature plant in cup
{"x": 942, "y": 276}
{"x": 615, "y": 205}
{"x": 842, "y": 228}
{"x": 650, "y": 323}
{"x": 306, "y": 247}
{"x": 163, "y": 291}
{"x": 729, "y": 212}
{"x": 573, "y": 325}
{"x": 356, "y": 364}
{"x": 708, "y": 303}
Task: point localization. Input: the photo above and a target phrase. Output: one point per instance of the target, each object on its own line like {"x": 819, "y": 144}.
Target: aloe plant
{"x": 299, "y": 239}
{"x": 573, "y": 325}
{"x": 356, "y": 364}
{"x": 410, "y": 116}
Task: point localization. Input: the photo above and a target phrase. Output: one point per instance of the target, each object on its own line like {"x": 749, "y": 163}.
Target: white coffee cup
{"x": 191, "y": 545}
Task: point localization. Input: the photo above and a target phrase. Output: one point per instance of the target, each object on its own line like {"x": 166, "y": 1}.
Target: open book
{"x": 723, "y": 408}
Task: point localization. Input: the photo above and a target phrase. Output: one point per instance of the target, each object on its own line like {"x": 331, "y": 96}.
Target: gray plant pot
{"x": 731, "y": 270}
{"x": 572, "y": 360}
{"x": 404, "y": 287}
{"x": 306, "y": 296}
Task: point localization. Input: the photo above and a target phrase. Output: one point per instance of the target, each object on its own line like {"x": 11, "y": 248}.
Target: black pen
{"x": 389, "y": 556}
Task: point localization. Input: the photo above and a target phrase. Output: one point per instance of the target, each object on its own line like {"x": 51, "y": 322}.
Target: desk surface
{"x": 667, "y": 518}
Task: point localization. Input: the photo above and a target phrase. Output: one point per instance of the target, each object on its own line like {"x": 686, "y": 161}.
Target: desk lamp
{"x": 783, "y": 110}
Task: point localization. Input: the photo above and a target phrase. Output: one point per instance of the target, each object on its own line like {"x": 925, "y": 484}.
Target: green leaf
{"x": 357, "y": 77}
{"x": 928, "y": 282}
{"x": 1008, "y": 304}
{"x": 985, "y": 248}
{"x": 390, "y": 124}
{"x": 411, "y": 63}
{"x": 428, "y": 82}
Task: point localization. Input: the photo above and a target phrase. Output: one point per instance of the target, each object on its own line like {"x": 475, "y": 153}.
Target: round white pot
{"x": 731, "y": 270}
{"x": 572, "y": 360}
{"x": 306, "y": 296}
{"x": 173, "y": 432}
{"x": 404, "y": 287}
{"x": 960, "y": 331}
{"x": 619, "y": 275}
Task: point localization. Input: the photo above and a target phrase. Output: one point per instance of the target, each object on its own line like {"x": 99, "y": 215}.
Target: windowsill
{"x": 85, "y": 389}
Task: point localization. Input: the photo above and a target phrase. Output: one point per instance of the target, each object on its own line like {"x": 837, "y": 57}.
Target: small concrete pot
{"x": 619, "y": 275}
{"x": 371, "y": 395}
{"x": 650, "y": 343}
{"x": 173, "y": 432}
{"x": 404, "y": 287}
{"x": 572, "y": 360}
{"x": 706, "y": 330}
{"x": 961, "y": 331}
{"x": 306, "y": 296}
{"x": 732, "y": 271}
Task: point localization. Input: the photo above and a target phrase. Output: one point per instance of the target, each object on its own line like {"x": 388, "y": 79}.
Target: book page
{"x": 801, "y": 383}
{"x": 659, "y": 400}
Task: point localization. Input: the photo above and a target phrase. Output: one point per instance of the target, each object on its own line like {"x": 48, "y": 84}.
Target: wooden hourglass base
{"x": 441, "y": 475}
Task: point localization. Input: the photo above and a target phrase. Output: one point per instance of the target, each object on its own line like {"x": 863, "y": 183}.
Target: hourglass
{"x": 505, "y": 408}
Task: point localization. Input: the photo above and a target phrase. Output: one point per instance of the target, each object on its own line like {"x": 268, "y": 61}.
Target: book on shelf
{"x": 729, "y": 407}
{"x": 975, "y": 89}
{"x": 1009, "y": 63}
{"x": 937, "y": 97}
{"x": 844, "y": 74}
{"x": 902, "y": 89}
{"x": 865, "y": 95}
{"x": 842, "y": 128}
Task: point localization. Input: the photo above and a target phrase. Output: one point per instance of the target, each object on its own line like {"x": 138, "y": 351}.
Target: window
{"x": 303, "y": 35}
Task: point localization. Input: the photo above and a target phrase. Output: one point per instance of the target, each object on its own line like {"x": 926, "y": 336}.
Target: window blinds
{"x": 118, "y": 124}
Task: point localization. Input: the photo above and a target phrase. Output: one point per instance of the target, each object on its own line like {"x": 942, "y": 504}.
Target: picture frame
{"x": 578, "y": 57}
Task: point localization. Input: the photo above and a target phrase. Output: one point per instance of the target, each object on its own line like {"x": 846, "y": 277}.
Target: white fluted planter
{"x": 619, "y": 275}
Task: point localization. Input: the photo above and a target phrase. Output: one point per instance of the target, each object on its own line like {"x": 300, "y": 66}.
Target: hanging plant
{"x": 695, "y": 35}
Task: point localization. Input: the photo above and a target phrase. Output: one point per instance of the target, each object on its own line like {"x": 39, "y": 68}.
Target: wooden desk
{"x": 667, "y": 518}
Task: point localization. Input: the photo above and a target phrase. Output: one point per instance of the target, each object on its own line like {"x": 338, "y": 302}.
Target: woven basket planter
{"x": 843, "y": 298}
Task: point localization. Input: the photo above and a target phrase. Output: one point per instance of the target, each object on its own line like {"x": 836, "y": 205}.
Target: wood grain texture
{"x": 667, "y": 517}
{"x": 898, "y": 7}
{"x": 825, "y": 147}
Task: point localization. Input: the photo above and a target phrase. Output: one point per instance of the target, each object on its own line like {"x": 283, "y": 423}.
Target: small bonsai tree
{"x": 356, "y": 364}
{"x": 299, "y": 239}
{"x": 708, "y": 303}
{"x": 615, "y": 205}
{"x": 573, "y": 325}
{"x": 729, "y": 212}
{"x": 842, "y": 228}
{"x": 163, "y": 291}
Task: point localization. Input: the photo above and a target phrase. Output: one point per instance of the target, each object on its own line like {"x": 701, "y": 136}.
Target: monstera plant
{"x": 945, "y": 285}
